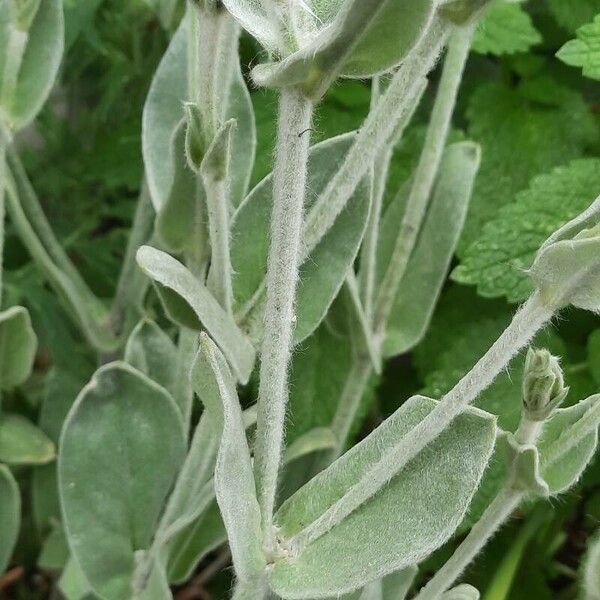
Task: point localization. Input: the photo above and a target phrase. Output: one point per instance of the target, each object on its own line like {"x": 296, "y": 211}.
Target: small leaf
{"x": 10, "y": 515}
{"x": 320, "y": 438}
{"x": 524, "y": 465}
{"x": 505, "y": 29}
{"x": 401, "y": 523}
{"x": 18, "y": 345}
{"x": 430, "y": 260}
{"x": 234, "y": 478}
{"x": 150, "y": 350}
{"x": 121, "y": 448}
{"x": 40, "y": 62}
{"x": 22, "y": 443}
{"x": 585, "y": 50}
{"x": 189, "y": 303}
{"x": 72, "y": 583}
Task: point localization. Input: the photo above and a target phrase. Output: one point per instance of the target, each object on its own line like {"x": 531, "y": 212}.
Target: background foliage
{"x": 538, "y": 121}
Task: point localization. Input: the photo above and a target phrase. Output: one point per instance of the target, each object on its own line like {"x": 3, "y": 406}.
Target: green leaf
{"x": 568, "y": 443}
{"x": 150, "y": 350}
{"x": 54, "y": 554}
{"x": 320, "y": 438}
{"x": 413, "y": 514}
{"x": 584, "y": 51}
{"x": 40, "y": 61}
{"x": 324, "y": 271}
{"x": 189, "y": 303}
{"x": 164, "y": 109}
{"x": 18, "y": 345}
{"x": 234, "y": 478}
{"x": 430, "y": 260}
{"x": 22, "y": 443}
{"x": 591, "y": 570}
{"x": 121, "y": 448}
{"x": 505, "y": 29}
{"x": 461, "y": 592}
{"x": 73, "y": 584}
{"x": 523, "y": 132}
{"x": 573, "y": 14}
{"x": 497, "y": 260}
{"x": 10, "y": 515}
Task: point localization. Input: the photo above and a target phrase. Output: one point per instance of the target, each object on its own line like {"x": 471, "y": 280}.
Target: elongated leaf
{"x": 163, "y": 111}
{"x": 18, "y": 344}
{"x": 430, "y": 261}
{"x": 121, "y": 447}
{"x": 234, "y": 478}
{"x": 591, "y": 570}
{"x": 40, "y": 61}
{"x": 150, "y": 350}
{"x": 22, "y": 443}
{"x": 323, "y": 272}
{"x": 190, "y": 304}
{"x": 320, "y": 438}
{"x": 400, "y": 524}
{"x": 10, "y": 515}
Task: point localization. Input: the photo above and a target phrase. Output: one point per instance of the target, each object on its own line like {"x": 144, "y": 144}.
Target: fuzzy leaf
{"x": 407, "y": 519}
{"x": 40, "y": 62}
{"x": 22, "y": 443}
{"x": 524, "y": 132}
{"x": 591, "y": 570}
{"x": 189, "y": 303}
{"x": 151, "y": 351}
{"x": 505, "y": 29}
{"x": 323, "y": 272}
{"x": 18, "y": 345}
{"x": 121, "y": 448}
{"x": 10, "y": 515}
{"x": 497, "y": 260}
{"x": 234, "y": 477}
{"x": 584, "y": 51}
{"x": 163, "y": 111}
{"x": 429, "y": 263}
{"x": 462, "y": 592}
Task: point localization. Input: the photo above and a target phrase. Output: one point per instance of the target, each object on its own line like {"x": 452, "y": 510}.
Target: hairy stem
{"x": 289, "y": 182}
{"x": 427, "y": 169}
{"x": 494, "y": 516}
{"x": 396, "y": 103}
{"x": 526, "y": 322}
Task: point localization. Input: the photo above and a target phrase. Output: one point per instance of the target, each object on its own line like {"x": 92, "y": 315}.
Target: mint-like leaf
{"x": 584, "y": 51}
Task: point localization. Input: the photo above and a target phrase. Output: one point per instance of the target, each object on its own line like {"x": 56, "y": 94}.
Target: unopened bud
{"x": 543, "y": 384}
{"x": 195, "y": 144}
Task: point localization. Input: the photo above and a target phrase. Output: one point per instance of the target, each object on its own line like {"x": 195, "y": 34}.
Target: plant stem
{"x": 289, "y": 182}
{"x": 15, "y": 50}
{"x": 393, "y": 107}
{"x": 427, "y": 169}
{"x": 494, "y": 516}
{"x": 130, "y": 280}
{"x": 526, "y": 322}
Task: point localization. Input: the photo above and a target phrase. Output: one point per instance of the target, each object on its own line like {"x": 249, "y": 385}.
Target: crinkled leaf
{"x": 234, "y": 478}
{"x": 40, "y": 62}
{"x": 22, "y": 443}
{"x": 163, "y": 111}
{"x": 121, "y": 448}
{"x": 505, "y": 29}
{"x": 429, "y": 263}
{"x": 506, "y": 246}
{"x": 18, "y": 345}
{"x": 523, "y": 132}
{"x": 189, "y": 303}
{"x": 584, "y": 51}
{"x": 323, "y": 272}
{"x": 10, "y": 515}
{"x": 412, "y": 515}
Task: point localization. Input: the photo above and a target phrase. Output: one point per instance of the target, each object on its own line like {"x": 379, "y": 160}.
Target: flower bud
{"x": 195, "y": 143}
{"x": 543, "y": 384}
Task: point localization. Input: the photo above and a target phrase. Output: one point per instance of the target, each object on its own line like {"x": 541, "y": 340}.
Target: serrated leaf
{"x": 523, "y": 132}
{"x": 430, "y": 260}
{"x": 505, "y": 29}
{"x": 584, "y": 51}
{"x": 40, "y": 62}
{"x": 121, "y": 448}
{"x": 189, "y": 303}
{"x": 323, "y": 272}
{"x": 496, "y": 261}
{"x": 10, "y": 515}
{"x": 22, "y": 443}
{"x": 234, "y": 478}
{"x": 164, "y": 109}
{"x": 416, "y": 511}
{"x": 18, "y": 345}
